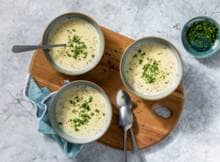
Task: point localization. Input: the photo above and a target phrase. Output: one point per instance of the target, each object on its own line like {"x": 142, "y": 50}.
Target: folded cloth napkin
{"x": 41, "y": 98}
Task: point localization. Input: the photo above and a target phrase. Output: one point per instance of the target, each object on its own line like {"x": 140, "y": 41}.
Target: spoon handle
{"x": 135, "y": 147}
{"x": 24, "y": 48}
{"x": 125, "y": 144}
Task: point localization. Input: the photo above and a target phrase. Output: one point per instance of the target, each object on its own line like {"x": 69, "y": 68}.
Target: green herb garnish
{"x": 140, "y": 61}
{"x": 143, "y": 54}
{"x": 150, "y": 71}
{"x": 76, "y": 129}
{"x": 72, "y": 102}
{"x": 74, "y": 111}
{"x": 202, "y": 35}
{"x": 135, "y": 55}
{"x": 77, "y": 98}
{"x": 90, "y": 99}
{"x": 140, "y": 55}
{"x": 83, "y": 110}
{"x": 85, "y": 106}
{"x": 76, "y": 48}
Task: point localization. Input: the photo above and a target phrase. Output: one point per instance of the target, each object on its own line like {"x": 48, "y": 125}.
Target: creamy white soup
{"x": 81, "y": 112}
{"x": 82, "y": 42}
{"x": 151, "y": 69}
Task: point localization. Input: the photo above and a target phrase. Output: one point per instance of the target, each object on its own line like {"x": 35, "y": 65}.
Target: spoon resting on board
{"x": 24, "y": 48}
{"x": 124, "y": 105}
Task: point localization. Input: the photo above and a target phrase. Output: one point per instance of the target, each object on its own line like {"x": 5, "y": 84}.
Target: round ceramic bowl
{"x": 200, "y": 54}
{"x": 71, "y": 17}
{"x": 60, "y": 93}
{"x": 135, "y": 45}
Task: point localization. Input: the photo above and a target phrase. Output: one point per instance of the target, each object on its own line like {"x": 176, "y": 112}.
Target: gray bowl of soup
{"x": 80, "y": 112}
{"x": 84, "y": 43}
{"x": 151, "y": 68}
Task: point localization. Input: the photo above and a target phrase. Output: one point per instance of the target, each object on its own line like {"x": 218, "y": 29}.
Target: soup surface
{"x": 82, "y": 42}
{"x": 151, "y": 68}
{"x": 81, "y": 112}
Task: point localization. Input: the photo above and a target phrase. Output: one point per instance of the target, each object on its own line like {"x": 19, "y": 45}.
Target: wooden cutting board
{"x": 149, "y": 128}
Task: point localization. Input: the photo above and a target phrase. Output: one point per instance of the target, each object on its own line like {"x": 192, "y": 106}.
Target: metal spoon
{"x": 125, "y": 120}
{"x": 124, "y": 104}
{"x": 24, "y": 48}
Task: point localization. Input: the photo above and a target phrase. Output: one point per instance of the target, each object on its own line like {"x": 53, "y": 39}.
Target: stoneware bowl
{"x": 60, "y": 93}
{"x": 139, "y": 43}
{"x": 200, "y": 54}
{"x": 70, "y": 17}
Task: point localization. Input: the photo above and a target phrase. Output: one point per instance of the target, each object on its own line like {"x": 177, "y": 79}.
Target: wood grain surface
{"x": 149, "y": 128}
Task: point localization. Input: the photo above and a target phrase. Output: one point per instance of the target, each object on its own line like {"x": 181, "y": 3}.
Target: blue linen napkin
{"x": 41, "y": 98}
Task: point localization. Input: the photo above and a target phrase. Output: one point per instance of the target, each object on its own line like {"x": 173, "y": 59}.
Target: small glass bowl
{"x": 200, "y": 54}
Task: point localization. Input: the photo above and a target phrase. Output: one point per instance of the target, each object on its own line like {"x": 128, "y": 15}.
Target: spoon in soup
{"x": 24, "y": 48}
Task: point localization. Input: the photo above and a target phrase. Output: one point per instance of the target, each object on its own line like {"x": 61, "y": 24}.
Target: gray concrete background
{"x": 197, "y": 136}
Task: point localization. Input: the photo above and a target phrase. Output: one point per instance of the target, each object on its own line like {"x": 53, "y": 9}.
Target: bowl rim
{"x": 178, "y": 56}
{"x": 191, "y": 51}
{"x": 52, "y": 107}
{"x": 90, "y": 21}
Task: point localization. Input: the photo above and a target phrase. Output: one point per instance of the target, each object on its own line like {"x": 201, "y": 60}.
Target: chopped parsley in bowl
{"x": 201, "y": 37}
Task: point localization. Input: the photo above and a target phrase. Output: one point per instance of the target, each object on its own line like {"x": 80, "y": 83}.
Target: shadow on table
{"x": 212, "y": 61}
{"x": 201, "y": 95}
